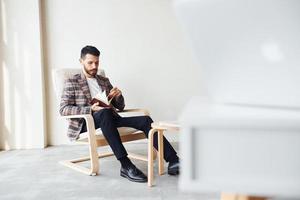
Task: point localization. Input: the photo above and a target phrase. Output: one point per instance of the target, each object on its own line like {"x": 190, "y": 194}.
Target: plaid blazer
{"x": 76, "y": 97}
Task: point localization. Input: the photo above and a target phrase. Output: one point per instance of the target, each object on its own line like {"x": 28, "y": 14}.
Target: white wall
{"x": 143, "y": 53}
{"x": 22, "y": 113}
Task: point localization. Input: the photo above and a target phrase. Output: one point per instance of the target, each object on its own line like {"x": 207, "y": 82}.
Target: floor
{"x": 36, "y": 174}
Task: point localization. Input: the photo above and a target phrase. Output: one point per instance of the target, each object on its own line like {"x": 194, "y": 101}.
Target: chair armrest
{"x": 137, "y": 110}
{"x": 86, "y": 116}
{"x": 90, "y": 125}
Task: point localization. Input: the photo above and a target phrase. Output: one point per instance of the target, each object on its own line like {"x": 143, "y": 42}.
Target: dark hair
{"x": 89, "y": 50}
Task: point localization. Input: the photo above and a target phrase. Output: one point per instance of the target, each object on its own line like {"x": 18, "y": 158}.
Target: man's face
{"x": 90, "y": 64}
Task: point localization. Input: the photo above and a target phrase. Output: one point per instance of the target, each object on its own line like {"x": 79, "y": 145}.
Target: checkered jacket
{"x": 76, "y": 97}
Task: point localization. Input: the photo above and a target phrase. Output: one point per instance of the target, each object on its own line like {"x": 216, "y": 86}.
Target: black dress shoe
{"x": 173, "y": 168}
{"x": 133, "y": 174}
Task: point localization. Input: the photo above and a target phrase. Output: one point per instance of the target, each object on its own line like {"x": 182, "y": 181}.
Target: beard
{"x": 92, "y": 72}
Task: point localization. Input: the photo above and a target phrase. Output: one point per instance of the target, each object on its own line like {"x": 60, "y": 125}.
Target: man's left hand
{"x": 115, "y": 92}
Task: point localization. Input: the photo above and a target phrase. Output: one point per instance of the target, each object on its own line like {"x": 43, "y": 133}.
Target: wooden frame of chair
{"x": 93, "y": 141}
{"x": 226, "y": 196}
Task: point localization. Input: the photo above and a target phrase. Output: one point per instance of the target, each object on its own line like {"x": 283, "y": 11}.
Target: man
{"x": 77, "y": 94}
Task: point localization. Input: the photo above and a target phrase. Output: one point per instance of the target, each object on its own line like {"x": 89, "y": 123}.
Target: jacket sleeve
{"x": 117, "y": 102}
{"x": 68, "y": 101}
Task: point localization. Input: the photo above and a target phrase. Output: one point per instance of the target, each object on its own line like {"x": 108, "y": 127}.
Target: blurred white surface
{"x": 244, "y": 137}
{"x": 239, "y": 149}
{"x": 248, "y": 49}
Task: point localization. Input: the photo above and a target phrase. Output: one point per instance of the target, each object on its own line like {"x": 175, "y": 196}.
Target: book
{"x": 102, "y": 99}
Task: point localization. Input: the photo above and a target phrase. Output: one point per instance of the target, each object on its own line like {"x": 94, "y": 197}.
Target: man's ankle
{"x": 174, "y": 160}
{"x": 125, "y": 162}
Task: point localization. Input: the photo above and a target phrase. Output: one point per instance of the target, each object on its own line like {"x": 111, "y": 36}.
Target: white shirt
{"x": 93, "y": 86}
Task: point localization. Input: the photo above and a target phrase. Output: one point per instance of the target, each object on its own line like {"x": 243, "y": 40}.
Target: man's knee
{"x": 146, "y": 125}
{"x": 106, "y": 112}
{"x": 148, "y": 119}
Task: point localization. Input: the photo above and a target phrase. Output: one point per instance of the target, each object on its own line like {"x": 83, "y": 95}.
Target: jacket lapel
{"x": 85, "y": 87}
{"x": 102, "y": 84}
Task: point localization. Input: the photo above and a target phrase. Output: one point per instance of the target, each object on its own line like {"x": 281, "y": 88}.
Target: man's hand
{"x": 115, "y": 92}
{"x": 96, "y": 108}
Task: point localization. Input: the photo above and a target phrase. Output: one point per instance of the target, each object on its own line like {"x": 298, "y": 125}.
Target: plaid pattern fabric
{"x": 76, "y": 97}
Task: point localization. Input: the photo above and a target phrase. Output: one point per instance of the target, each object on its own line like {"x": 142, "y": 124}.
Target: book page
{"x": 102, "y": 97}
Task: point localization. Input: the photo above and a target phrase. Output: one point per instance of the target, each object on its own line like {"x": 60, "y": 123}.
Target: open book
{"x": 102, "y": 99}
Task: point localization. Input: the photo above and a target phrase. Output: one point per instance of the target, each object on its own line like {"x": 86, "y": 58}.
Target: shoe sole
{"x": 174, "y": 172}
{"x": 131, "y": 179}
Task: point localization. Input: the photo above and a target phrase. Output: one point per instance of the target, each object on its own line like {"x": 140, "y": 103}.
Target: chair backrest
{"x": 60, "y": 75}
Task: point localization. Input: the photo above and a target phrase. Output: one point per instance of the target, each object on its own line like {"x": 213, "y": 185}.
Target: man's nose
{"x": 94, "y": 66}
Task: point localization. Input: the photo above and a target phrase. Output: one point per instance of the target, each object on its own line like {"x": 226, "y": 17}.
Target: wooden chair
{"x": 94, "y": 138}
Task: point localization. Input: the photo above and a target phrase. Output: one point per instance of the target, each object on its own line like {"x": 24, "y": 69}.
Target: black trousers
{"x": 109, "y": 122}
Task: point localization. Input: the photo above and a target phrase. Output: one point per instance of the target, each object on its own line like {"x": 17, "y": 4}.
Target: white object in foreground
{"x": 239, "y": 149}
{"x": 246, "y": 139}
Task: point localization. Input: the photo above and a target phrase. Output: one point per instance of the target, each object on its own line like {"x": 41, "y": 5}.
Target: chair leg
{"x": 77, "y": 167}
{"x": 155, "y": 152}
{"x": 93, "y": 157}
{"x": 73, "y": 164}
{"x": 92, "y": 145}
{"x": 150, "y": 157}
{"x": 93, "y": 154}
{"x": 160, "y": 152}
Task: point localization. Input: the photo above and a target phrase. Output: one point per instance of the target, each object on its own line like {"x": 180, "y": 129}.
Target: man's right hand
{"x": 96, "y": 108}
